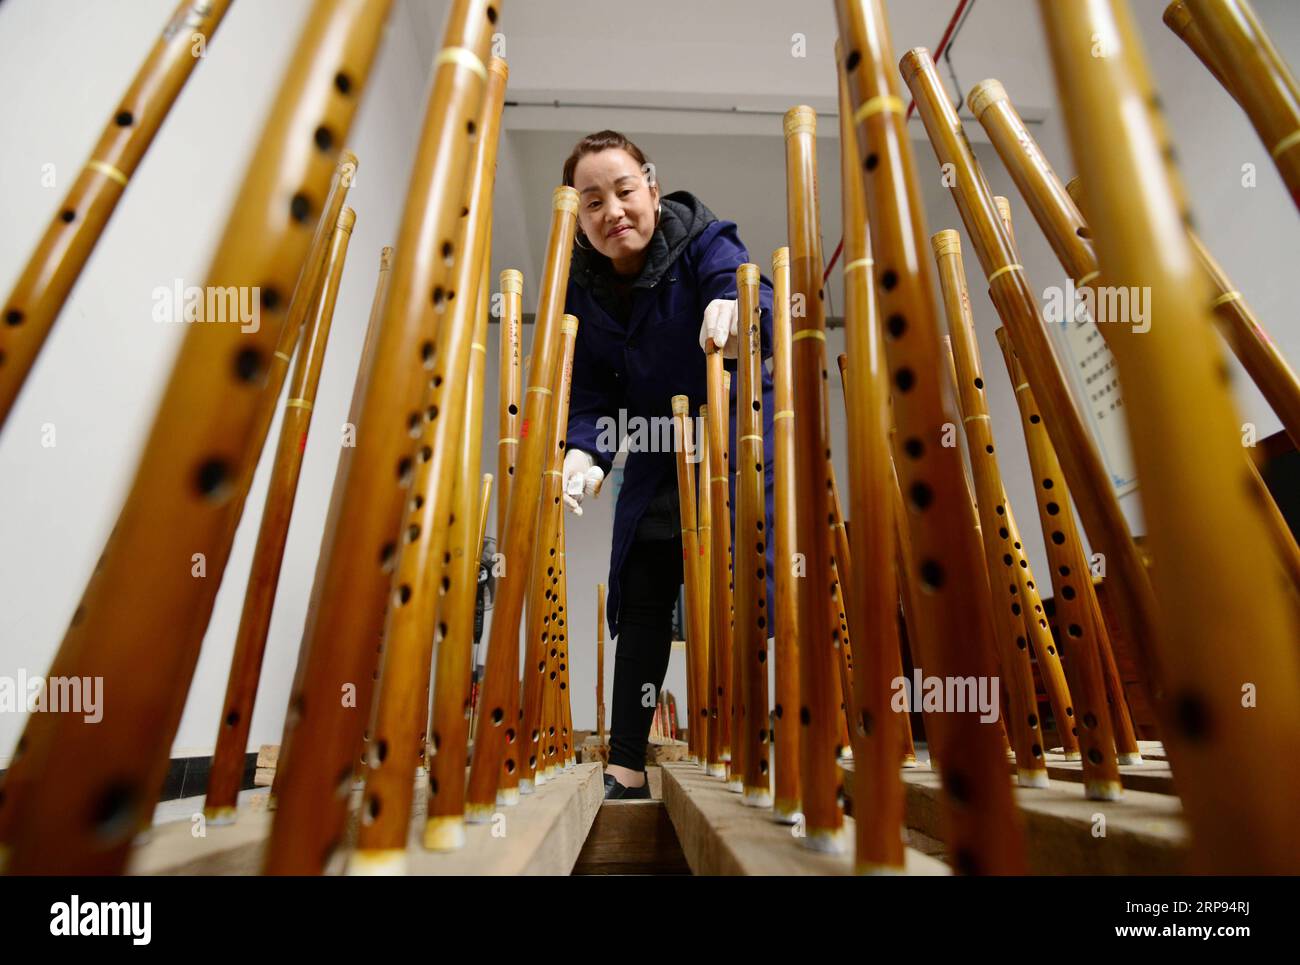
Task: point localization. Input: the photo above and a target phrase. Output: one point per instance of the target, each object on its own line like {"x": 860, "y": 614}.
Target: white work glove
{"x": 582, "y": 477}
{"x": 720, "y": 325}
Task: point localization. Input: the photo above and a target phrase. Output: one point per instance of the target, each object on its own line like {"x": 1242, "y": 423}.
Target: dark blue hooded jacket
{"x": 640, "y": 363}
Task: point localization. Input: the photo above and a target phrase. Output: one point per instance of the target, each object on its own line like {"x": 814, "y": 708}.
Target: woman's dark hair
{"x": 603, "y": 141}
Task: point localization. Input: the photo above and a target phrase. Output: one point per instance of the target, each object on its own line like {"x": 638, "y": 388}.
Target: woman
{"x": 652, "y": 279}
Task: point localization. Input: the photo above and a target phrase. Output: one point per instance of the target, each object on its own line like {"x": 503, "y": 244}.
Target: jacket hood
{"x": 683, "y": 218}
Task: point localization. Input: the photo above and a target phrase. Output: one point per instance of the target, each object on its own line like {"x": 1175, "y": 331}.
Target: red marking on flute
{"x": 523, "y": 429}
{"x": 302, "y": 443}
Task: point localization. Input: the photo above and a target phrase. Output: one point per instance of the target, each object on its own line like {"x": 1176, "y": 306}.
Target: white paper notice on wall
{"x": 1094, "y": 379}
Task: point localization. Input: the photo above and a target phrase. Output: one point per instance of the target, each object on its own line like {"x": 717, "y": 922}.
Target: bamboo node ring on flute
{"x": 108, "y": 171}
{"x": 884, "y": 102}
{"x": 1014, "y": 266}
{"x": 461, "y": 58}
{"x": 1288, "y": 142}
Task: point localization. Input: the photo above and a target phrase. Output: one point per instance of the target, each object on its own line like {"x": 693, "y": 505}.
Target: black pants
{"x": 650, "y": 583}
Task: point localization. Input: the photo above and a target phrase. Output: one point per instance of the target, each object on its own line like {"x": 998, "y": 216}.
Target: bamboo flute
{"x": 356, "y": 569}
{"x": 716, "y": 765}
{"x": 143, "y": 606}
{"x": 785, "y": 737}
{"x": 841, "y": 641}
{"x": 1251, "y": 344}
{"x": 1179, "y": 19}
{"x": 720, "y": 558}
{"x": 983, "y": 831}
{"x": 448, "y": 732}
{"x": 570, "y": 756}
{"x": 540, "y": 638}
{"x": 268, "y": 554}
{"x": 1075, "y": 598}
{"x": 892, "y": 640}
{"x": 905, "y": 561}
{"x": 990, "y": 496}
{"x": 871, "y": 582}
{"x": 1126, "y": 744}
{"x": 1256, "y": 75}
{"x": 749, "y": 567}
{"x": 509, "y": 388}
{"x": 39, "y": 294}
{"x": 497, "y": 741}
{"x": 1204, "y": 527}
{"x": 818, "y": 707}
{"x": 1017, "y": 306}
{"x": 696, "y": 626}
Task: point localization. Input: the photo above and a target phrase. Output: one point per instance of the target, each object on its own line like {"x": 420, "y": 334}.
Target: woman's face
{"x": 616, "y": 206}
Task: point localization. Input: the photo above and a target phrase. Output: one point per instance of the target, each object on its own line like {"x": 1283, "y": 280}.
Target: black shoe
{"x": 614, "y": 791}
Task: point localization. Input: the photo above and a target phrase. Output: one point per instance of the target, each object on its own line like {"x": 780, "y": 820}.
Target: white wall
{"x": 103, "y": 367}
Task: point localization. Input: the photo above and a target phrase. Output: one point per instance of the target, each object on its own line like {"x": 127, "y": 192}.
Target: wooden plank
{"x": 632, "y": 838}
{"x": 1141, "y": 834}
{"x": 191, "y": 847}
{"x": 542, "y": 835}
{"x": 721, "y": 836}
{"x": 1153, "y": 776}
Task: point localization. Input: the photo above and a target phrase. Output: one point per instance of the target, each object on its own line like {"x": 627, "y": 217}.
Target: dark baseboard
{"x": 188, "y": 776}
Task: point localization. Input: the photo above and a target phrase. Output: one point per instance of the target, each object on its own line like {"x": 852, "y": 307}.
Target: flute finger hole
{"x": 871, "y": 162}
{"x": 300, "y": 208}
{"x": 14, "y": 317}
{"x": 852, "y": 60}
{"x": 932, "y": 576}
{"x": 248, "y": 365}
{"x": 114, "y": 813}
{"x": 213, "y": 478}
{"x": 124, "y": 119}
{"x": 68, "y": 215}
{"x": 324, "y": 138}
{"x": 905, "y": 379}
